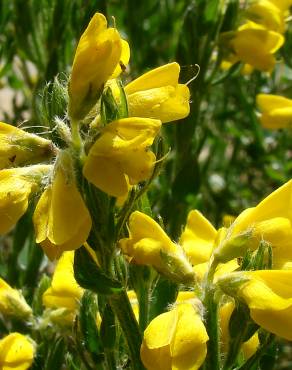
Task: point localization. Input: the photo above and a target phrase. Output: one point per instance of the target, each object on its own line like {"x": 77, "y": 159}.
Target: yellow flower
{"x": 157, "y": 94}
{"x": 61, "y": 219}
{"x": 282, "y": 4}
{"x": 19, "y": 148}
{"x": 267, "y": 14}
{"x": 16, "y": 352}
{"x": 120, "y": 156}
{"x": 268, "y": 294}
{"x": 175, "y": 340}
{"x": 98, "y": 56}
{"x": 12, "y": 302}
{"x": 64, "y": 292}
{"x": 198, "y": 238}
{"x": 255, "y": 45}
{"x": 16, "y": 187}
{"x": 148, "y": 244}
{"x": 270, "y": 221}
{"x": 276, "y": 111}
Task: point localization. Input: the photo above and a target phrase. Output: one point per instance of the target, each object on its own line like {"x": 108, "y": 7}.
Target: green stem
{"x": 253, "y": 360}
{"x": 144, "y": 309}
{"x": 121, "y": 306}
{"x": 110, "y": 359}
{"x": 212, "y": 361}
{"x": 235, "y": 346}
{"x": 76, "y": 138}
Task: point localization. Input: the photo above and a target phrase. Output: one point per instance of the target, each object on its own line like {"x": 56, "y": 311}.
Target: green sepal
{"x": 87, "y": 319}
{"x": 164, "y": 294}
{"x": 90, "y": 276}
{"x": 111, "y": 109}
{"x": 78, "y": 107}
{"x": 54, "y": 101}
{"x": 240, "y": 322}
{"x": 37, "y": 303}
{"x": 108, "y": 328}
{"x": 177, "y": 268}
{"x": 56, "y": 355}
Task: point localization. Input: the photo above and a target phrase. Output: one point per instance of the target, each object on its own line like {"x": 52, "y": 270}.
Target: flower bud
{"x": 20, "y": 148}
{"x": 233, "y": 247}
{"x": 16, "y": 352}
{"x": 12, "y": 302}
{"x": 99, "y": 53}
{"x": 61, "y": 219}
{"x": 64, "y": 294}
{"x": 148, "y": 244}
{"x": 16, "y": 187}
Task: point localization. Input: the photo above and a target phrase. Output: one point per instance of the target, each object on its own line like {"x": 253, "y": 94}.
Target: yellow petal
{"x": 268, "y": 102}
{"x": 143, "y": 226}
{"x": 185, "y": 296}
{"x": 16, "y": 352}
{"x": 277, "y": 204}
{"x": 19, "y": 148}
{"x": 166, "y": 103}
{"x": 255, "y": 45}
{"x": 124, "y": 59}
{"x": 97, "y": 55}
{"x": 120, "y": 155}
{"x": 225, "y": 312}
{"x": 276, "y": 322}
{"x": 250, "y": 346}
{"x": 12, "y": 302}
{"x": 190, "y": 331}
{"x": 147, "y": 251}
{"x": 192, "y": 361}
{"x": 61, "y": 219}
{"x": 262, "y": 289}
{"x": 162, "y": 76}
{"x": 97, "y": 58}
{"x": 160, "y": 331}
{"x": 16, "y": 186}
{"x": 156, "y": 358}
{"x": 106, "y": 175}
{"x": 64, "y": 291}
{"x": 267, "y": 14}
{"x": 278, "y": 118}
{"x": 198, "y": 238}
{"x": 282, "y": 4}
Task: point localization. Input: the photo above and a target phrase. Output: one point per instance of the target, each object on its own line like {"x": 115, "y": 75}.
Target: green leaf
{"x": 90, "y": 276}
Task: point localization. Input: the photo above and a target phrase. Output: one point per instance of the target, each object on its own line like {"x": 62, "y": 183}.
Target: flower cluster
{"x": 213, "y": 256}
{"x": 256, "y": 41}
{"x": 231, "y": 286}
{"x": 117, "y": 158}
